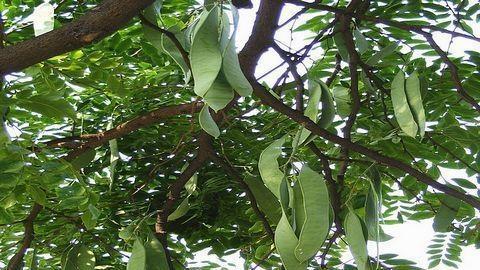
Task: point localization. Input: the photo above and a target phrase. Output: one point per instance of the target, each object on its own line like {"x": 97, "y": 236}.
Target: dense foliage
{"x": 140, "y": 143}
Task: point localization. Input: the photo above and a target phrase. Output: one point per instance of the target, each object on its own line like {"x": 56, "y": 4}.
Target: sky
{"x": 410, "y": 239}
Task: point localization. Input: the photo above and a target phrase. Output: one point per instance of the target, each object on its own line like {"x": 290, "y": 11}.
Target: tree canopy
{"x": 135, "y": 133}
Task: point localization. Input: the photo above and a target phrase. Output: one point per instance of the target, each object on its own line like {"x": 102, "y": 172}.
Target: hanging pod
{"x": 164, "y": 44}
{"x": 147, "y": 255}
{"x": 207, "y": 123}
{"x": 285, "y": 242}
{"x": 231, "y": 65}
{"x": 407, "y": 104}
{"x": 357, "y": 240}
{"x": 268, "y": 166}
{"x": 318, "y": 92}
{"x": 311, "y": 213}
{"x": 205, "y": 54}
{"x": 214, "y": 60}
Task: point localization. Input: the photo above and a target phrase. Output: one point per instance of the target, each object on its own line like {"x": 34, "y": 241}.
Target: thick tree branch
{"x": 142, "y": 121}
{"x": 29, "y": 234}
{"x": 262, "y": 35}
{"x": 355, "y": 108}
{"x": 98, "y": 23}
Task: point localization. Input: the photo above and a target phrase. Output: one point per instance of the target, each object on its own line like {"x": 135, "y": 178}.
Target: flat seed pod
{"x": 207, "y": 123}
{"x": 155, "y": 254}
{"x": 414, "y": 97}
{"x": 181, "y": 210}
{"x": 401, "y": 107}
{"x": 298, "y": 209}
{"x": 138, "y": 259}
{"x": 231, "y": 65}
{"x": 340, "y": 44}
{"x": 205, "y": 54}
{"x": 311, "y": 111}
{"x": 268, "y": 166}
{"x": 328, "y": 107}
{"x": 356, "y": 240}
{"x": 315, "y": 206}
{"x": 219, "y": 94}
{"x": 285, "y": 243}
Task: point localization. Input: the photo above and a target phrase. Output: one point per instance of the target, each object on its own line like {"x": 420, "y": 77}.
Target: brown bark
{"x": 98, "y": 23}
{"x": 28, "y": 237}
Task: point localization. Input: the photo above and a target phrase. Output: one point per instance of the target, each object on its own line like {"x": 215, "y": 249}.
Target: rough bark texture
{"x": 98, "y": 23}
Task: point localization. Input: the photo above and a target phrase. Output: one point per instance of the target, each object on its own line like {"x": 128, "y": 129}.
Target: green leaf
{"x": 127, "y": 233}
{"x": 340, "y": 44}
{"x": 372, "y": 61}
{"x": 205, "y": 54}
{"x": 265, "y": 199}
{"x": 84, "y": 159}
{"x": 356, "y": 241}
{"x": 85, "y": 259}
{"x": 285, "y": 243}
{"x": 316, "y": 206}
{"x": 181, "y": 210}
{"x": 46, "y": 106}
{"x": 78, "y": 257}
{"x": 465, "y": 183}
{"x": 342, "y": 99}
{"x": 207, "y": 123}
{"x": 114, "y": 157}
{"x": 138, "y": 259}
{"x": 361, "y": 41}
{"x": 6, "y": 216}
{"x": 191, "y": 184}
{"x": 262, "y": 251}
{"x": 401, "y": 107}
{"x": 446, "y": 214}
{"x": 155, "y": 255}
{"x": 90, "y": 217}
{"x": 231, "y": 65}
{"x": 415, "y": 101}
{"x": 38, "y": 195}
{"x": 268, "y": 166}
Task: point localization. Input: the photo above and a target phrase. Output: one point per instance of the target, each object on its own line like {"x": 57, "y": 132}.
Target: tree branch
{"x": 253, "y": 202}
{"x": 29, "y": 234}
{"x": 353, "y": 63}
{"x": 298, "y": 117}
{"x": 88, "y": 141}
{"x": 98, "y": 23}
{"x": 171, "y": 36}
